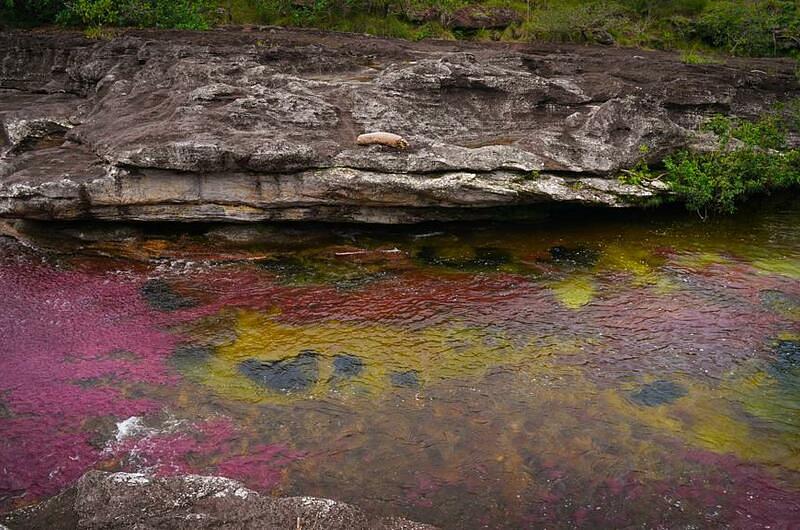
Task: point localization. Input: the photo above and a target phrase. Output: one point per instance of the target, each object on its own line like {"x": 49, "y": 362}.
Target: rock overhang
{"x": 251, "y": 126}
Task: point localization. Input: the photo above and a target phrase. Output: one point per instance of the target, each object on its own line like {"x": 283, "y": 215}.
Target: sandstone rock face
{"x": 262, "y": 125}
{"x": 136, "y": 501}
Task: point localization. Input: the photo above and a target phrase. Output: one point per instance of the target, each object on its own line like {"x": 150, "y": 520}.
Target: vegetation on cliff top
{"x": 739, "y": 27}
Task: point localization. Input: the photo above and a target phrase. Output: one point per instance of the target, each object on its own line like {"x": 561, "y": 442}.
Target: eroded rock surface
{"x": 133, "y": 500}
{"x": 262, "y": 124}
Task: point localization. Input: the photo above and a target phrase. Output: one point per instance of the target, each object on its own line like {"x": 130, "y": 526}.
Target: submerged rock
{"x": 133, "y": 500}
{"x": 261, "y": 125}
{"x": 781, "y": 303}
{"x": 574, "y": 256}
{"x": 657, "y": 393}
{"x": 788, "y": 353}
{"x": 347, "y": 365}
{"x": 160, "y": 295}
{"x": 407, "y": 379}
{"x": 288, "y": 375}
{"x": 477, "y": 259}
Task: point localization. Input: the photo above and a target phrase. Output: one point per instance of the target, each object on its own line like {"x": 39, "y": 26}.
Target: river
{"x": 588, "y": 370}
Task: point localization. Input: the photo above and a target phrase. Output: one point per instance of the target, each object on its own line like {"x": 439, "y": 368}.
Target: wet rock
{"x": 781, "y": 303}
{"x": 287, "y": 375}
{"x": 482, "y": 258}
{"x": 788, "y": 355}
{"x": 191, "y": 354}
{"x": 657, "y": 393}
{"x": 160, "y": 295}
{"x": 120, "y": 501}
{"x": 407, "y": 379}
{"x": 346, "y": 365}
{"x": 259, "y": 125}
{"x": 574, "y": 256}
{"x": 290, "y": 268}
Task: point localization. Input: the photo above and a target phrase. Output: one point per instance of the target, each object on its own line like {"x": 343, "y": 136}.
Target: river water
{"x": 589, "y": 370}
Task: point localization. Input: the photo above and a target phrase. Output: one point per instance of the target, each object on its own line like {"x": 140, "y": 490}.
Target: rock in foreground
{"x": 262, "y": 125}
{"x": 131, "y": 500}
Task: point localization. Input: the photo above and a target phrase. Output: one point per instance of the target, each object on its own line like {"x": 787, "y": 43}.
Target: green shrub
{"x": 692, "y": 56}
{"x": 718, "y": 180}
{"x": 180, "y": 14}
{"x": 585, "y": 22}
{"x": 759, "y": 162}
{"x": 750, "y": 27}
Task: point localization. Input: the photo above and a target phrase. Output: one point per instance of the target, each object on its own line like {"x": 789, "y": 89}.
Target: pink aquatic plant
{"x": 69, "y": 342}
{"x": 211, "y": 446}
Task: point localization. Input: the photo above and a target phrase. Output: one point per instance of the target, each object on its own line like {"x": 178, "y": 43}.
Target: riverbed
{"x": 634, "y": 369}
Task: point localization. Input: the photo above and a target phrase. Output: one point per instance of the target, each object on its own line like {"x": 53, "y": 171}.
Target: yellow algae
{"x": 788, "y": 336}
{"x": 429, "y": 354}
{"x": 574, "y": 292}
{"x": 700, "y": 260}
{"x": 664, "y": 285}
{"x": 781, "y": 265}
{"x": 741, "y": 416}
{"x": 633, "y": 259}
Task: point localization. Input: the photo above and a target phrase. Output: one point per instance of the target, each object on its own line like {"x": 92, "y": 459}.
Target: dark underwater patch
{"x": 657, "y": 393}
{"x": 484, "y": 258}
{"x": 407, "y": 379}
{"x": 787, "y": 355}
{"x": 288, "y": 375}
{"x": 574, "y": 256}
{"x": 160, "y": 296}
{"x": 346, "y": 365}
{"x": 191, "y": 354}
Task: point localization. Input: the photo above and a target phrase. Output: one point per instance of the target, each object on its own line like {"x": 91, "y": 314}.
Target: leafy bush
{"x": 751, "y": 27}
{"x": 180, "y": 14}
{"x": 742, "y": 27}
{"x": 752, "y": 157}
{"x": 694, "y": 57}
{"x": 718, "y": 180}
{"x": 585, "y": 22}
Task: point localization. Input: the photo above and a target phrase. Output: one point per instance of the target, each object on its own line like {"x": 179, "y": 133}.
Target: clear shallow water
{"x": 596, "y": 372}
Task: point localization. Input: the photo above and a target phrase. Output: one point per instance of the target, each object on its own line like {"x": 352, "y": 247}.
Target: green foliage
{"x": 719, "y": 180}
{"x": 741, "y": 27}
{"x": 751, "y": 27}
{"x": 692, "y": 56}
{"x": 759, "y": 162}
{"x": 180, "y": 14}
{"x": 641, "y": 172}
{"x": 95, "y": 14}
{"x": 582, "y": 22}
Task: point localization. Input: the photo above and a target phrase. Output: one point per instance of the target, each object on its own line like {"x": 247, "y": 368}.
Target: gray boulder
{"x": 122, "y": 501}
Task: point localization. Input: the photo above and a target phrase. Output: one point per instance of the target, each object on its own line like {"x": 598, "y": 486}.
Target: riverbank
{"x": 261, "y": 124}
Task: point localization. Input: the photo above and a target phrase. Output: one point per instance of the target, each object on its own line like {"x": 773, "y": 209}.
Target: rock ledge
{"x": 262, "y": 125}
{"x": 133, "y": 500}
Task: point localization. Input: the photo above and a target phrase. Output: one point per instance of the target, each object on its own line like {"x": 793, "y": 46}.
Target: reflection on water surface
{"x": 598, "y": 372}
